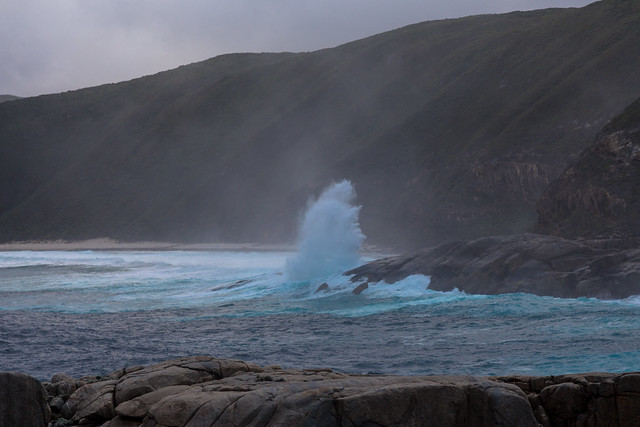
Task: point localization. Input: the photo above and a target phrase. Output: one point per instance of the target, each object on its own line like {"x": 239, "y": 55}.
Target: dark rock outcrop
{"x": 599, "y": 195}
{"x": 360, "y": 288}
{"x": 530, "y": 263}
{"x": 323, "y": 288}
{"x": 22, "y": 401}
{"x": 234, "y": 393}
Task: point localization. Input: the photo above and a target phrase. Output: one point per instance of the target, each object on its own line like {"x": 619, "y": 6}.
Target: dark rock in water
{"x": 231, "y": 285}
{"x": 530, "y": 263}
{"x": 234, "y": 393}
{"x": 360, "y": 288}
{"x": 22, "y": 401}
{"x": 322, "y": 288}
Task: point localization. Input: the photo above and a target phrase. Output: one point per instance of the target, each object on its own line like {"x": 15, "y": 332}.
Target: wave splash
{"x": 330, "y": 237}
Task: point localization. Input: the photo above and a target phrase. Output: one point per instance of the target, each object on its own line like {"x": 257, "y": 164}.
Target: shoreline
{"x": 212, "y": 391}
{"x": 106, "y": 244}
{"x": 110, "y": 245}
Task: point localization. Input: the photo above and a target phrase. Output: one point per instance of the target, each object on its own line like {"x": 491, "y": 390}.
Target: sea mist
{"x": 329, "y": 239}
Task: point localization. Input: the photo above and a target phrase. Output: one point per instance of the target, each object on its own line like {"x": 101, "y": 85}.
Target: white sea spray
{"x": 330, "y": 237}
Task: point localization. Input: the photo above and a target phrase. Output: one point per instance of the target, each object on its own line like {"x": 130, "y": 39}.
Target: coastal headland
{"x": 206, "y": 391}
{"x": 528, "y": 263}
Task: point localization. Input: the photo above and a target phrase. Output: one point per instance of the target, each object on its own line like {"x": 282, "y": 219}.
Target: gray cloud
{"x": 52, "y": 46}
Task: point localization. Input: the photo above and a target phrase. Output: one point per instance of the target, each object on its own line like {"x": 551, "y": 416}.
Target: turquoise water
{"x": 95, "y": 312}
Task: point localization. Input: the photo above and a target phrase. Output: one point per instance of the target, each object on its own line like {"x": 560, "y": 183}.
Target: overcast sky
{"x": 49, "y": 46}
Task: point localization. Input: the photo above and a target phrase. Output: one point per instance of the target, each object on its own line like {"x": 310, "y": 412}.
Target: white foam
{"x": 330, "y": 237}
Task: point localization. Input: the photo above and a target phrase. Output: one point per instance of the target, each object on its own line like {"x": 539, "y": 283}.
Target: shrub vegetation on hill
{"x": 449, "y": 129}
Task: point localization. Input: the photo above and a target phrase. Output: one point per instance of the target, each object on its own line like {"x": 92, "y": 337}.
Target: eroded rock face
{"x": 530, "y": 263}
{"x": 599, "y": 195}
{"x": 526, "y": 180}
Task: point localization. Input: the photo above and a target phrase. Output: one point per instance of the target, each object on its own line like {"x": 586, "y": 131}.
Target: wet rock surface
{"x": 234, "y": 393}
{"x": 529, "y": 263}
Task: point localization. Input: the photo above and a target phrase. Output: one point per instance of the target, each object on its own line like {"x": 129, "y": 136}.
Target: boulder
{"x": 230, "y": 392}
{"x": 628, "y": 398}
{"x": 184, "y": 371}
{"x": 360, "y": 288}
{"x": 91, "y": 403}
{"x": 590, "y": 399}
{"x": 564, "y": 402}
{"x": 139, "y": 406}
{"x": 246, "y": 394}
{"x": 23, "y": 401}
{"x": 180, "y": 408}
{"x": 406, "y": 404}
{"x": 62, "y": 385}
{"x": 491, "y": 404}
{"x": 322, "y": 288}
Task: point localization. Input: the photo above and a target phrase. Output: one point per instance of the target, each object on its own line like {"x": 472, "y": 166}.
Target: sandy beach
{"x": 106, "y": 244}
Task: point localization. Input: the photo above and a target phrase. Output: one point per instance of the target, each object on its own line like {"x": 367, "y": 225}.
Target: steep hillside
{"x": 449, "y": 129}
{"x": 4, "y": 98}
{"x": 599, "y": 196}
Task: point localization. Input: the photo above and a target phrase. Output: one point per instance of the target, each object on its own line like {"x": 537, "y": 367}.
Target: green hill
{"x": 449, "y": 129}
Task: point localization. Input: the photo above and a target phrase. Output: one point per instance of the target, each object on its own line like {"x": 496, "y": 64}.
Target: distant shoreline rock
{"x": 202, "y": 390}
{"x": 527, "y": 263}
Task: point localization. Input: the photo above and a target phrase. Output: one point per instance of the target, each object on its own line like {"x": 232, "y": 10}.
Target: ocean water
{"x": 96, "y": 312}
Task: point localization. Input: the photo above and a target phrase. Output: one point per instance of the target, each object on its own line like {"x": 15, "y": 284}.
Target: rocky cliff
{"x": 589, "y": 217}
{"x": 204, "y": 391}
{"x": 599, "y": 195}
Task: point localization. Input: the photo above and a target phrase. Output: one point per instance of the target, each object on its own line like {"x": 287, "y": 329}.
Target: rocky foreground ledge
{"x": 204, "y": 391}
{"x": 529, "y": 263}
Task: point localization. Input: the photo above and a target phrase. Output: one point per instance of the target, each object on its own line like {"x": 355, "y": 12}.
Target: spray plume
{"x": 329, "y": 239}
